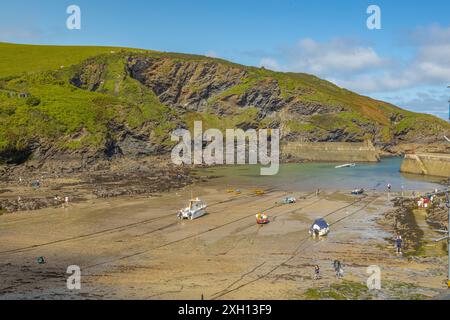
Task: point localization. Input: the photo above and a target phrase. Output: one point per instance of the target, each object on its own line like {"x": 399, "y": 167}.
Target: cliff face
{"x": 125, "y": 104}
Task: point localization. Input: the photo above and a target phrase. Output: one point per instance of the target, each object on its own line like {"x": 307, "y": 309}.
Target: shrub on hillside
{"x": 33, "y": 101}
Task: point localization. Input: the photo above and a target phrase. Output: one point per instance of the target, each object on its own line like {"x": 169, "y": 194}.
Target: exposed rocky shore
{"x": 401, "y": 220}
{"x": 437, "y": 214}
{"x": 49, "y": 185}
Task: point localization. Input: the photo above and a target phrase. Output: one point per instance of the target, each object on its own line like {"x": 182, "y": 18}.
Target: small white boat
{"x": 319, "y": 228}
{"x": 196, "y": 208}
{"x": 346, "y": 165}
{"x": 357, "y": 191}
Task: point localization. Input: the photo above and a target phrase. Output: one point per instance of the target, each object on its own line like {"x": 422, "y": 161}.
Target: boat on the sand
{"x": 319, "y": 228}
{"x": 289, "y": 200}
{"x": 196, "y": 209}
{"x": 357, "y": 191}
{"x": 262, "y": 218}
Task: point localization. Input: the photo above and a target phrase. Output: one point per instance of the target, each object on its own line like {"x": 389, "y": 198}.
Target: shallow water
{"x": 310, "y": 176}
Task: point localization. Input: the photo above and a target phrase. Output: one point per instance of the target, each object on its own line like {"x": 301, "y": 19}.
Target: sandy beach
{"x": 135, "y": 248}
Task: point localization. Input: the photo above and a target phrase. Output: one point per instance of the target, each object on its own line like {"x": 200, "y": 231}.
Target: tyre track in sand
{"x": 117, "y": 229}
{"x": 154, "y": 248}
{"x": 297, "y": 251}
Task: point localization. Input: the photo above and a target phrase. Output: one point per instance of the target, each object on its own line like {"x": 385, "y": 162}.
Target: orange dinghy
{"x": 262, "y": 218}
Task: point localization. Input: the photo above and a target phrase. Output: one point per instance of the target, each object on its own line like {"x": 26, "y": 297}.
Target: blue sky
{"x": 407, "y": 62}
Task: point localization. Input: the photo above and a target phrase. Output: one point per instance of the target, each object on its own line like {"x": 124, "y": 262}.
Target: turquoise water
{"x": 310, "y": 176}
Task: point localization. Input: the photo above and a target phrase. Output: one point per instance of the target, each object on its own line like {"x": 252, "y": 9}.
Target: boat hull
{"x": 191, "y": 215}
{"x": 320, "y": 233}
{"x": 262, "y": 221}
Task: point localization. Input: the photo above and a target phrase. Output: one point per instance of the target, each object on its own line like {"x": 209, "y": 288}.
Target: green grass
{"x": 297, "y": 127}
{"x": 350, "y": 290}
{"x": 345, "y": 290}
{"x": 16, "y": 59}
{"x": 210, "y": 120}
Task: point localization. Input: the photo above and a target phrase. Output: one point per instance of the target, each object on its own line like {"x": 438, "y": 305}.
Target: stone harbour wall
{"x": 331, "y": 151}
{"x": 433, "y": 164}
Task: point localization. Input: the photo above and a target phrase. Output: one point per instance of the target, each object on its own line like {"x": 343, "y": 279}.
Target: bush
{"x": 33, "y": 101}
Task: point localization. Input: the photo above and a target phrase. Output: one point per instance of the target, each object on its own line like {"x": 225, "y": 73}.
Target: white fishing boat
{"x": 357, "y": 191}
{"x": 319, "y": 228}
{"x": 196, "y": 209}
{"x": 346, "y": 165}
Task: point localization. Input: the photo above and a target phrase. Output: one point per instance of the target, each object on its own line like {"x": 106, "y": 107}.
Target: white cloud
{"x": 211, "y": 54}
{"x": 269, "y": 63}
{"x": 422, "y": 100}
{"x": 417, "y": 81}
{"x": 337, "y": 57}
{"x": 434, "y": 34}
{"x": 12, "y": 33}
{"x": 359, "y": 67}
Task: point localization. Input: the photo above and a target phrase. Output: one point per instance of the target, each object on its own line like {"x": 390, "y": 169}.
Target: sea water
{"x": 311, "y": 176}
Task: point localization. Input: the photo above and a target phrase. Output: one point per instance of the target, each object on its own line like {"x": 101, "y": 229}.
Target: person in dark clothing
{"x": 338, "y": 269}
{"x": 316, "y": 272}
{"x": 398, "y": 244}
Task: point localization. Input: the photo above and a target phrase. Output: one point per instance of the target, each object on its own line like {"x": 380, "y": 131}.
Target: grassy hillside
{"x": 16, "y": 59}
{"x": 88, "y": 98}
{"x": 69, "y": 117}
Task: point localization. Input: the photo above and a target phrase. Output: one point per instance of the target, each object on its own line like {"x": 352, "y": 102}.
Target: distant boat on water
{"x": 346, "y": 165}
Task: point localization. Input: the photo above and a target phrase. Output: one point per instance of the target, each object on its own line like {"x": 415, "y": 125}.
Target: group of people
{"x": 338, "y": 269}
{"x": 36, "y": 184}
{"x": 424, "y": 202}
{"x": 58, "y": 200}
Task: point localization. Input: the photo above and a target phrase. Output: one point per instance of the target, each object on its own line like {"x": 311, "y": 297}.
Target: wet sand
{"x": 135, "y": 248}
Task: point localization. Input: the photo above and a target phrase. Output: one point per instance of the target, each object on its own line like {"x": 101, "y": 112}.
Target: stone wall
{"x": 433, "y": 164}
{"x": 331, "y": 152}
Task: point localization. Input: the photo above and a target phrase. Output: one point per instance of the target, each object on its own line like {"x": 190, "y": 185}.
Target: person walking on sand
{"x": 398, "y": 244}
{"x": 66, "y": 202}
{"x": 338, "y": 269}
{"x": 389, "y": 187}
{"x": 316, "y": 272}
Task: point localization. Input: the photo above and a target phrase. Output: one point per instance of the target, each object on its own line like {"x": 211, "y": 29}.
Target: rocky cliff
{"x": 125, "y": 104}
